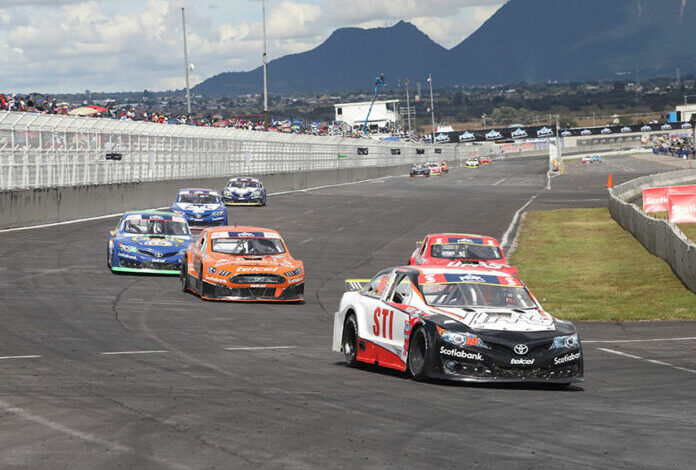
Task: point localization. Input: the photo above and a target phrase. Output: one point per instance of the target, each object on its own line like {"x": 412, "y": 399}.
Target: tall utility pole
{"x": 408, "y": 108}
{"x": 188, "y": 85}
{"x": 265, "y": 71}
{"x": 432, "y": 105}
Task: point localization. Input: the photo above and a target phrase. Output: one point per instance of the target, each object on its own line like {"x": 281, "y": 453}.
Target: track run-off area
{"x": 128, "y": 372}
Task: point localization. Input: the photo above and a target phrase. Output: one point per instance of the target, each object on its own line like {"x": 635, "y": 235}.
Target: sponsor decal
{"x": 682, "y": 208}
{"x": 521, "y": 362}
{"x": 295, "y": 281}
{"x": 566, "y": 358}
{"x": 215, "y": 279}
{"x": 257, "y": 285}
{"x": 125, "y": 256}
{"x": 521, "y": 349}
{"x": 657, "y": 199}
{"x": 256, "y": 269}
{"x": 157, "y": 260}
{"x": 461, "y": 354}
{"x": 471, "y": 278}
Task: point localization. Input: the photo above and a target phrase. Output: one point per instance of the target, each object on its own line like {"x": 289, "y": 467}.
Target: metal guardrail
{"x": 42, "y": 151}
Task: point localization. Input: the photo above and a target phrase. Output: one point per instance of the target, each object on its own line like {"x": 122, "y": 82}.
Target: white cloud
{"x": 69, "y": 45}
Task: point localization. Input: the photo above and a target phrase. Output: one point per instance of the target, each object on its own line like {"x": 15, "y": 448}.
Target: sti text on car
{"x": 201, "y": 207}
{"x": 148, "y": 242}
{"x": 472, "y": 324}
{"x": 460, "y": 249}
{"x": 244, "y": 192}
{"x": 242, "y": 264}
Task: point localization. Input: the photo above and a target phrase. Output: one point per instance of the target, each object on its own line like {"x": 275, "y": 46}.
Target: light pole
{"x": 408, "y": 108}
{"x": 265, "y": 71}
{"x": 432, "y": 106}
{"x": 188, "y": 86}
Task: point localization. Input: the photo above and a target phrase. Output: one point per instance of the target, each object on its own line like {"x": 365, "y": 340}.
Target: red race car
{"x": 485, "y": 160}
{"x": 457, "y": 250}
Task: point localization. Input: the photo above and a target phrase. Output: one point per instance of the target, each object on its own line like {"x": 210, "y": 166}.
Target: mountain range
{"x": 524, "y": 41}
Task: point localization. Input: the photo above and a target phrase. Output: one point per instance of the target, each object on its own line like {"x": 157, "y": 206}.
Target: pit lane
{"x": 130, "y": 372}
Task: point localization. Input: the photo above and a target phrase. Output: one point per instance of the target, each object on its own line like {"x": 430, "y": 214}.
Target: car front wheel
{"x": 418, "y": 349}
{"x": 350, "y": 341}
{"x": 183, "y": 277}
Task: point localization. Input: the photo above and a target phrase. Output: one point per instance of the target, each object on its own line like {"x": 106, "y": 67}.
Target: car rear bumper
{"x": 241, "y": 293}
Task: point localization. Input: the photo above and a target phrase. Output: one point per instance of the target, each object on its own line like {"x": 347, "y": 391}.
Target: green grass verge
{"x": 688, "y": 229}
{"x": 582, "y": 265}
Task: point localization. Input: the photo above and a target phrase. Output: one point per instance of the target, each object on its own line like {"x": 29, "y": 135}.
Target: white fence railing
{"x": 39, "y": 151}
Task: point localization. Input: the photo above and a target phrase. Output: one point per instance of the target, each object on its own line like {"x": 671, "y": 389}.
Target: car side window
{"x": 401, "y": 290}
{"x": 376, "y": 285}
{"x": 201, "y": 246}
{"x": 423, "y": 245}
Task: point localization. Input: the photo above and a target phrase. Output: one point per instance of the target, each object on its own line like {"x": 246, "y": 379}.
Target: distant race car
{"x": 244, "y": 192}
{"x": 201, "y": 207}
{"x": 472, "y": 163}
{"x": 461, "y": 324}
{"x": 242, "y": 264}
{"x": 420, "y": 170}
{"x": 591, "y": 159}
{"x": 148, "y": 242}
{"x": 461, "y": 249}
{"x": 485, "y": 160}
{"x": 444, "y": 167}
{"x": 435, "y": 169}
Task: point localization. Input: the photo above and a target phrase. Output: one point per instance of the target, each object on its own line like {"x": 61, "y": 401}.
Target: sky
{"x": 129, "y": 45}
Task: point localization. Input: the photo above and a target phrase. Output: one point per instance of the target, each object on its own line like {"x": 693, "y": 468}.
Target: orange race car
{"x": 242, "y": 264}
{"x": 444, "y": 167}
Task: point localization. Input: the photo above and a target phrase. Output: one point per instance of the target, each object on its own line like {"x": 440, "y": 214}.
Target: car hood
{"x": 499, "y": 319}
{"x": 150, "y": 241}
{"x": 255, "y": 264}
{"x": 196, "y": 208}
{"x": 242, "y": 191}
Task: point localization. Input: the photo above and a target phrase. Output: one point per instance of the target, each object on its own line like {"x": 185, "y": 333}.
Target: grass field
{"x": 688, "y": 229}
{"x": 582, "y": 266}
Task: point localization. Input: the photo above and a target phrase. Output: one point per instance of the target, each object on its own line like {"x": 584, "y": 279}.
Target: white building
{"x": 686, "y": 110}
{"x": 354, "y": 114}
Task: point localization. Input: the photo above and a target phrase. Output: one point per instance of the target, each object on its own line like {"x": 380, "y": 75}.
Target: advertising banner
{"x": 656, "y": 199}
{"x": 682, "y": 208}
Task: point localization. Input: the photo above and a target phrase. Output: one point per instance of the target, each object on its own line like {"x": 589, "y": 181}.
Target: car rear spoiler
{"x": 353, "y": 285}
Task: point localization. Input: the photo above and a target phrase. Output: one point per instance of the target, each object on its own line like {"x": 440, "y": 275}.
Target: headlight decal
{"x": 127, "y": 248}
{"x": 294, "y": 272}
{"x": 461, "y": 339}
{"x": 569, "y": 341}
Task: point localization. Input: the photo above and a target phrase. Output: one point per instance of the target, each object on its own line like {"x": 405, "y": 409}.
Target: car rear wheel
{"x": 183, "y": 277}
{"x": 350, "y": 340}
{"x": 418, "y": 350}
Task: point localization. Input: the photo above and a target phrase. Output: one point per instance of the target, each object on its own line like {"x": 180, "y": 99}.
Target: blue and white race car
{"x": 244, "y": 192}
{"x": 148, "y": 242}
{"x": 201, "y": 208}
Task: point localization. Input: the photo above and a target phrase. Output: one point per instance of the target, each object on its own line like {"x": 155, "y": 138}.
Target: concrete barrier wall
{"x": 659, "y": 237}
{"x": 40, "y": 206}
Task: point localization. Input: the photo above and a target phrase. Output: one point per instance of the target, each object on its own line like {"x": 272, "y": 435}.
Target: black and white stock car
{"x": 463, "y": 324}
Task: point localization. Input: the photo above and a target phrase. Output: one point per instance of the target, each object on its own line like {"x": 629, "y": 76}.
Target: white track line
{"x": 506, "y": 236}
{"x": 260, "y": 348}
{"x": 20, "y": 357}
{"x": 688, "y": 338}
{"x": 651, "y": 361}
{"x": 116, "y": 353}
{"x": 499, "y": 182}
{"x": 305, "y": 241}
{"x": 335, "y": 185}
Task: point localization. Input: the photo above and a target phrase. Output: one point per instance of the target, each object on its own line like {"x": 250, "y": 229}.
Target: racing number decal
{"x": 386, "y": 316}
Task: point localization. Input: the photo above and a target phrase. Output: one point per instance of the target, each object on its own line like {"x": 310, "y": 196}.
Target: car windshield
{"x": 197, "y": 198}
{"x": 476, "y": 295}
{"x": 464, "y": 251}
{"x": 243, "y": 184}
{"x": 155, "y": 227}
{"x": 248, "y": 246}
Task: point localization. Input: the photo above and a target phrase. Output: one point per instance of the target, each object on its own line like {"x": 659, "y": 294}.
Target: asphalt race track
{"x": 129, "y": 372}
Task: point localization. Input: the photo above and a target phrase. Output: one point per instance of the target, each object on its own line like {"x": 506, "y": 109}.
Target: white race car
{"x": 466, "y": 324}
{"x": 472, "y": 163}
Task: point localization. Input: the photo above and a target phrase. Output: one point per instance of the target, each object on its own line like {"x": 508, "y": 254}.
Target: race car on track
{"x": 201, "y": 207}
{"x": 461, "y": 249}
{"x": 485, "y": 160}
{"x": 244, "y": 192}
{"x": 444, "y": 167}
{"x": 472, "y": 162}
{"x": 148, "y": 242}
{"x": 419, "y": 170}
{"x": 462, "y": 324}
{"x": 242, "y": 264}
{"x": 435, "y": 169}
{"x": 591, "y": 159}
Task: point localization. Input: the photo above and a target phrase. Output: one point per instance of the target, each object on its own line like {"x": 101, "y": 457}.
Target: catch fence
{"x": 42, "y": 151}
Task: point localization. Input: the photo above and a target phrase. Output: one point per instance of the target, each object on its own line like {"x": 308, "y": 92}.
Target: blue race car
{"x": 148, "y": 242}
{"x": 244, "y": 192}
{"x": 201, "y": 207}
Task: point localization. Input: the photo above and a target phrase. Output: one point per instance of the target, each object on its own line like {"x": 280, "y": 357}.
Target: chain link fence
{"x": 42, "y": 151}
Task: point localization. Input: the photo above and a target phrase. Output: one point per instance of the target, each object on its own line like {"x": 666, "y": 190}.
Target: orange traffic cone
{"x": 610, "y": 182}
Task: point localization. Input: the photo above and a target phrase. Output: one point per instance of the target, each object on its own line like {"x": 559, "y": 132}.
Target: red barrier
{"x": 656, "y": 199}
{"x": 682, "y": 208}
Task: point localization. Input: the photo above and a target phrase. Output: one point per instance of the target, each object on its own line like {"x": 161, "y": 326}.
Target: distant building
{"x": 683, "y": 113}
{"x": 354, "y": 114}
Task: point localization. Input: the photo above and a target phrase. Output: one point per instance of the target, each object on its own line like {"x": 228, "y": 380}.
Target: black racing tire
{"x": 183, "y": 277}
{"x": 349, "y": 340}
{"x": 418, "y": 352}
{"x": 109, "y": 254}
